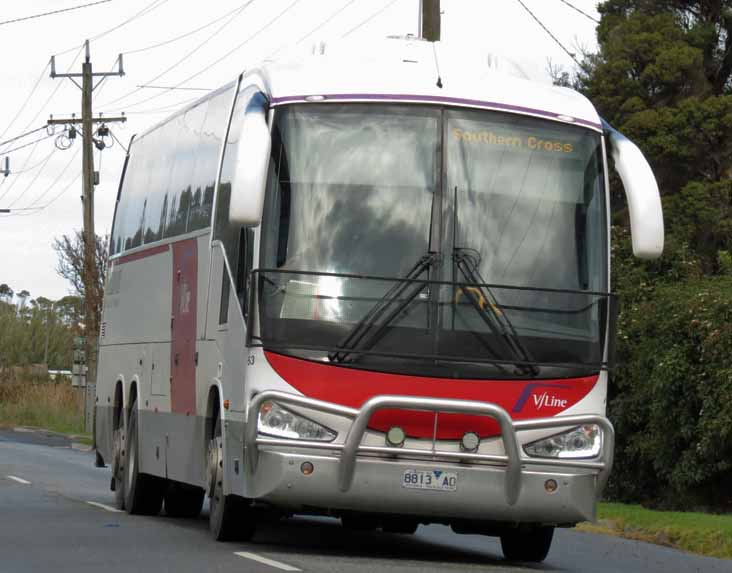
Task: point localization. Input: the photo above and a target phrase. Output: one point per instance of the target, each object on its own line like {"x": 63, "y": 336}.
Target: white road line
{"x": 265, "y": 561}
{"x": 106, "y": 507}
{"x": 19, "y": 480}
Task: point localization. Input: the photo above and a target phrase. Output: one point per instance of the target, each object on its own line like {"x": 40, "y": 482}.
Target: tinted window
{"x": 207, "y": 157}
{"x": 168, "y": 186}
{"x": 180, "y": 189}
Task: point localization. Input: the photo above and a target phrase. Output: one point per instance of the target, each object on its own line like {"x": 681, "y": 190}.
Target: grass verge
{"x": 56, "y": 406}
{"x": 701, "y": 533}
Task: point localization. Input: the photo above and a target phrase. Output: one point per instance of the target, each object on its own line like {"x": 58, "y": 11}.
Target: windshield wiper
{"x": 367, "y": 332}
{"x": 483, "y": 300}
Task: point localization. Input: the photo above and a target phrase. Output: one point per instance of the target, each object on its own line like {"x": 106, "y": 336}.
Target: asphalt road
{"x": 52, "y": 524}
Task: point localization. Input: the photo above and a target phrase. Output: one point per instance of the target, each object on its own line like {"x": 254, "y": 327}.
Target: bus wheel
{"x": 230, "y": 517}
{"x": 359, "y": 522}
{"x": 118, "y": 465}
{"x": 143, "y": 494}
{"x": 527, "y": 545}
{"x": 183, "y": 500}
{"x": 400, "y": 525}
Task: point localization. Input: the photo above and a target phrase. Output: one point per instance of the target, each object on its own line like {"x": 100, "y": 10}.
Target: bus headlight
{"x": 581, "y": 442}
{"x": 274, "y": 420}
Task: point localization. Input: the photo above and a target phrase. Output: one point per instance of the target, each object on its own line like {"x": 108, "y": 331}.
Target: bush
{"x": 671, "y": 397}
{"x": 53, "y": 405}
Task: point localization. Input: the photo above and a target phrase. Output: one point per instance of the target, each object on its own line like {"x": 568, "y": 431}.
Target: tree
{"x": 70, "y": 252}
{"x": 6, "y": 293}
{"x": 663, "y": 76}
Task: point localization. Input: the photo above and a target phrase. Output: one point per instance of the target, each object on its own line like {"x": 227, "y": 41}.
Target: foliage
{"x": 663, "y": 76}
{"x": 56, "y": 406}
{"x": 671, "y": 399}
{"x": 32, "y": 330}
{"x": 70, "y": 252}
{"x": 695, "y": 532}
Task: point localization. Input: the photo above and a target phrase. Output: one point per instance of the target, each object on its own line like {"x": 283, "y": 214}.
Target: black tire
{"x": 230, "y": 516}
{"x": 119, "y": 456}
{"x": 402, "y": 525}
{"x": 359, "y": 522}
{"x": 527, "y": 545}
{"x": 143, "y": 494}
{"x": 183, "y": 500}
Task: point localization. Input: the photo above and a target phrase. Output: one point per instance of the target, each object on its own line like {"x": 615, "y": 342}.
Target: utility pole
{"x": 430, "y": 20}
{"x": 6, "y": 170}
{"x": 90, "y": 276}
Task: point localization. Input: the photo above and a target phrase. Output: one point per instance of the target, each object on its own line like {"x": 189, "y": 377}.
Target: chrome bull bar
{"x": 513, "y": 460}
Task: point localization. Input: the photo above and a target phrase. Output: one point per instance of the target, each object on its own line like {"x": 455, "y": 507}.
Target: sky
{"x": 44, "y": 176}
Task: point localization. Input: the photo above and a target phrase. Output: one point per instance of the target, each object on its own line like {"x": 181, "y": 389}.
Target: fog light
{"x": 550, "y": 486}
{"x": 470, "y": 442}
{"x": 306, "y": 468}
{"x": 395, "y": 437}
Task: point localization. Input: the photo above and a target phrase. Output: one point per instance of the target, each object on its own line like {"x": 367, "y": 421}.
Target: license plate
{"x": 430, "y": 479}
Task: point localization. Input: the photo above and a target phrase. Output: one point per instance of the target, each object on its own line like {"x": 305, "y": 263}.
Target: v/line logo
{"x": 543, "y": 400}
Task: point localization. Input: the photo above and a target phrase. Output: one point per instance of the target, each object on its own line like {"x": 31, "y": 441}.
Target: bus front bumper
{"x": 350, "y": 476}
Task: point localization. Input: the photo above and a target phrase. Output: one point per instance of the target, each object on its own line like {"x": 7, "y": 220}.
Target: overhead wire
{"x": 223, "y": 57}
{"x": 21, "y": 136}
{"x": 146, "y": 10}
{"x": 585, "y": 14}
{"x": 33, "y": 16}
{"x": 367, "y": 20}
{"x": 54, "y": 92}
{"x": 22, "y": 168}
{"x": 26, "y": 100}
{"x": 170, "y": 68}
{"x": 552, "y": 36}
{"x": 32, "y": 167}
{"x": 33, "y": 181}
{"x": 320, "y": 26}
{"x": 182, "y": 36}
{"x": 7, "y": 151}
{"x": 36, "y": 210}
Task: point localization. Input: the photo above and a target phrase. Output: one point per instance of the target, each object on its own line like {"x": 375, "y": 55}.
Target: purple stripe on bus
{"x": 439, "y": 99}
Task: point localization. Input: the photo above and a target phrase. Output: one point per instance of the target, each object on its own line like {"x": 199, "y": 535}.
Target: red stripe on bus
{"x": 141, "y": 254}
{"x": 522, "y": 399}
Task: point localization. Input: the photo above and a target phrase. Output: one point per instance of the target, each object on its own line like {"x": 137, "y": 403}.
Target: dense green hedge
{"x": 671, "y": 396}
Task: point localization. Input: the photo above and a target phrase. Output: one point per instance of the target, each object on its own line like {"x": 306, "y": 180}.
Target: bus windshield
{"x": 511, "y": 210}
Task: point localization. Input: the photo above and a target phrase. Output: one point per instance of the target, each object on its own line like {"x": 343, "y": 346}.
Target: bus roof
{"x": 411, "y": 70}
{"x": 414, "y": 70}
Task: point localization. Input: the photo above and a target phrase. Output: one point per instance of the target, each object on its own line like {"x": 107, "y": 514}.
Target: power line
{"x": 175, "y": 88}
{"x": 182, "y": 36}
{"x": 53, "y": 12}
{"x": 170, "y": 68}
{"x": 168, "y": 107}
{"x": 226, "y": 55}
{"x": 32, "y": 167}
{"x": 367, "y": 20}
{"x": 53, "y": 93}
{"x": 318, "y": 27}
{"x": 585, "y": 14}
{"x": 64, "y": 190}
{"x": 30, "y": 185}
{"x": 26, "y": 101}
{"x": 36, "y": 210}
{"x": 552, "y": 36}
{"x": 21, "y": 136}
{"x": 28, "y": 144}
{"x": 146, "y": 10}
{"x": 22, "y": 168}
{"x": 60, "y": 175}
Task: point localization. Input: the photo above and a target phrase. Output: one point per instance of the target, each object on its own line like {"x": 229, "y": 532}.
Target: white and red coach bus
{"x": 373, "y": 288}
